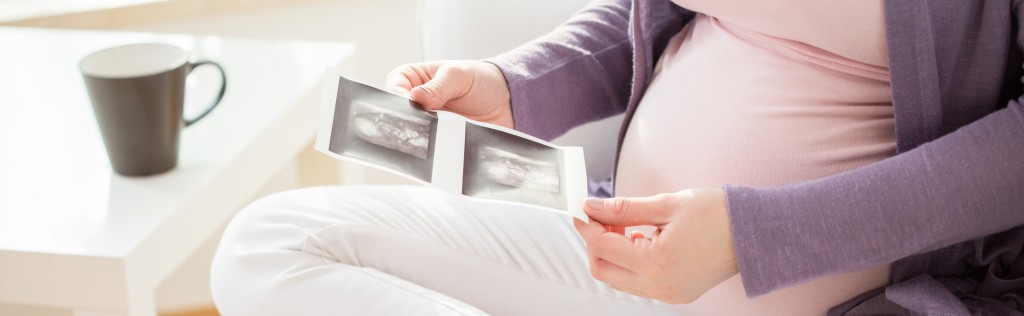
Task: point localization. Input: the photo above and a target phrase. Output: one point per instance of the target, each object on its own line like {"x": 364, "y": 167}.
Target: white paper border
{"x": 327, "y": 106}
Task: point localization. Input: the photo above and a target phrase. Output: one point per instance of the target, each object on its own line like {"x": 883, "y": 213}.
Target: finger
{"x": 607, "y": 245}
{"x": 588, "y": 231}
{"x": 617, "y": 229}
{"x": 620, "y": 211}
{"x": 612, "y": 246}
{"x": 404, "y": 78}
{"x": 617, "y": 277}
{"x": 446, "y": 84}
{"x": 619, "y": 249}
{"x": 398, "y": 84}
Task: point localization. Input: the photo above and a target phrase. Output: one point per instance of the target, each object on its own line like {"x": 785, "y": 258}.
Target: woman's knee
{"x": 270, "y": 237}
{"x": 312, "y": 208}
{"x": 264, "y": 240}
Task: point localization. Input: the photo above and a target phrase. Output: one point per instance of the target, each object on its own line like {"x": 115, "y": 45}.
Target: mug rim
{"x": 89, "y": 67}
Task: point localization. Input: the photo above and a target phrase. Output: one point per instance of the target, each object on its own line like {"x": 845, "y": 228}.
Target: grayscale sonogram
{"x": 392, "y": 130}
{"x": 376, "y": 126}
{"x": 502, "y": 166}
{"x": 518, "y": 171}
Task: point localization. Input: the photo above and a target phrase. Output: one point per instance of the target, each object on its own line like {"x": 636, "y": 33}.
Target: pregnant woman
{"x": 793, "y": 157}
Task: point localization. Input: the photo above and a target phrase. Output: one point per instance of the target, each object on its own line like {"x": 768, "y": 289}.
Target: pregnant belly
{"x": 732, "y": 107}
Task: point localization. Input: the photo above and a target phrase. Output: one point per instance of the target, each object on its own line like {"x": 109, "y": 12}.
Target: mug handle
{"x": 220, "y": 95}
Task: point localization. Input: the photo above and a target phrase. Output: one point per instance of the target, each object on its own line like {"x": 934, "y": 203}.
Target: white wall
{"x": 384, "y": 30}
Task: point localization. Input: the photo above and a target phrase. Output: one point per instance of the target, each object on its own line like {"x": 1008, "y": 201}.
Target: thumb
{"x": 447, "y": 84}
{"x": 622, "y": 211}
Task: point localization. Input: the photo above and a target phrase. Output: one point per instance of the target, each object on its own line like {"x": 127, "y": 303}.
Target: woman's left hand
{"x": 690, "y": 252}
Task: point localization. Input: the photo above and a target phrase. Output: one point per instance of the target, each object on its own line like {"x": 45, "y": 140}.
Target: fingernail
{"x": 595, "y": 203}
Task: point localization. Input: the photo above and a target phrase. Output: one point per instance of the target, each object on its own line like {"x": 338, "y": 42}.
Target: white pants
{"x": 401, "y": 250}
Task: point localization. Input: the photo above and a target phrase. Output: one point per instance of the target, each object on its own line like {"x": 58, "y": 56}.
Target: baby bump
{"x": 729, "y": 106}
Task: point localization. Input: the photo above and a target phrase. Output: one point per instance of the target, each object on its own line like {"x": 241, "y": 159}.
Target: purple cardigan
{"x": 947, "y": 210}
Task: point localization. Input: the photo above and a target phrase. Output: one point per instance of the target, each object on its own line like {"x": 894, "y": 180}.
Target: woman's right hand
{"x": 474, "y": 89}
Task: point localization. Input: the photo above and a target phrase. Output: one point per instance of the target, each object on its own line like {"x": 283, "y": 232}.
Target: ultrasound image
{"x": 502, "y": 166}
{"x": 518, "y": 171}
{"x": 393, "y": 130}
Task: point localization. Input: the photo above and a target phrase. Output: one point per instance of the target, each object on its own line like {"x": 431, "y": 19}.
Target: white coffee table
{"x": 73, "y": 234}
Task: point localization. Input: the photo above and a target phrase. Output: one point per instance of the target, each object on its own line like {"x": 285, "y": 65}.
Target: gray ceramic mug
{"x": 138, "y": 93}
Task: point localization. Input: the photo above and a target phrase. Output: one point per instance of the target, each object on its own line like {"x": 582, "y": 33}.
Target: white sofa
{"x": 476, "y": 29}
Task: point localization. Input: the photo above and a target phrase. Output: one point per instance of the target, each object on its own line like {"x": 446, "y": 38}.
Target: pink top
{"x": 731, "y": 105}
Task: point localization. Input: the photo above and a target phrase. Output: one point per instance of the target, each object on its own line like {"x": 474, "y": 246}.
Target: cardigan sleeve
{"x": 961, "y": 186}
{"x": 579, "y": 72}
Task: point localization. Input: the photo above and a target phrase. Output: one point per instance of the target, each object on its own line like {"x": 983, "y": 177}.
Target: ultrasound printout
{"x": 373, "y": 127}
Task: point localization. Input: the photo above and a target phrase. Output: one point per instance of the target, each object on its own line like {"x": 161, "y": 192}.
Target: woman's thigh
{"x": 402, "y": 250}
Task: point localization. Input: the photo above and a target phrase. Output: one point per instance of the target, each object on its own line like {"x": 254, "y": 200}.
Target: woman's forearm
{"x": 962, "y": 186}
{"x": 579, "y": 72}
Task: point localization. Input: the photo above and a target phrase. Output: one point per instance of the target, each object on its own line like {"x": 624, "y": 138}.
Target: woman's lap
{"x": 406, "y": 250}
